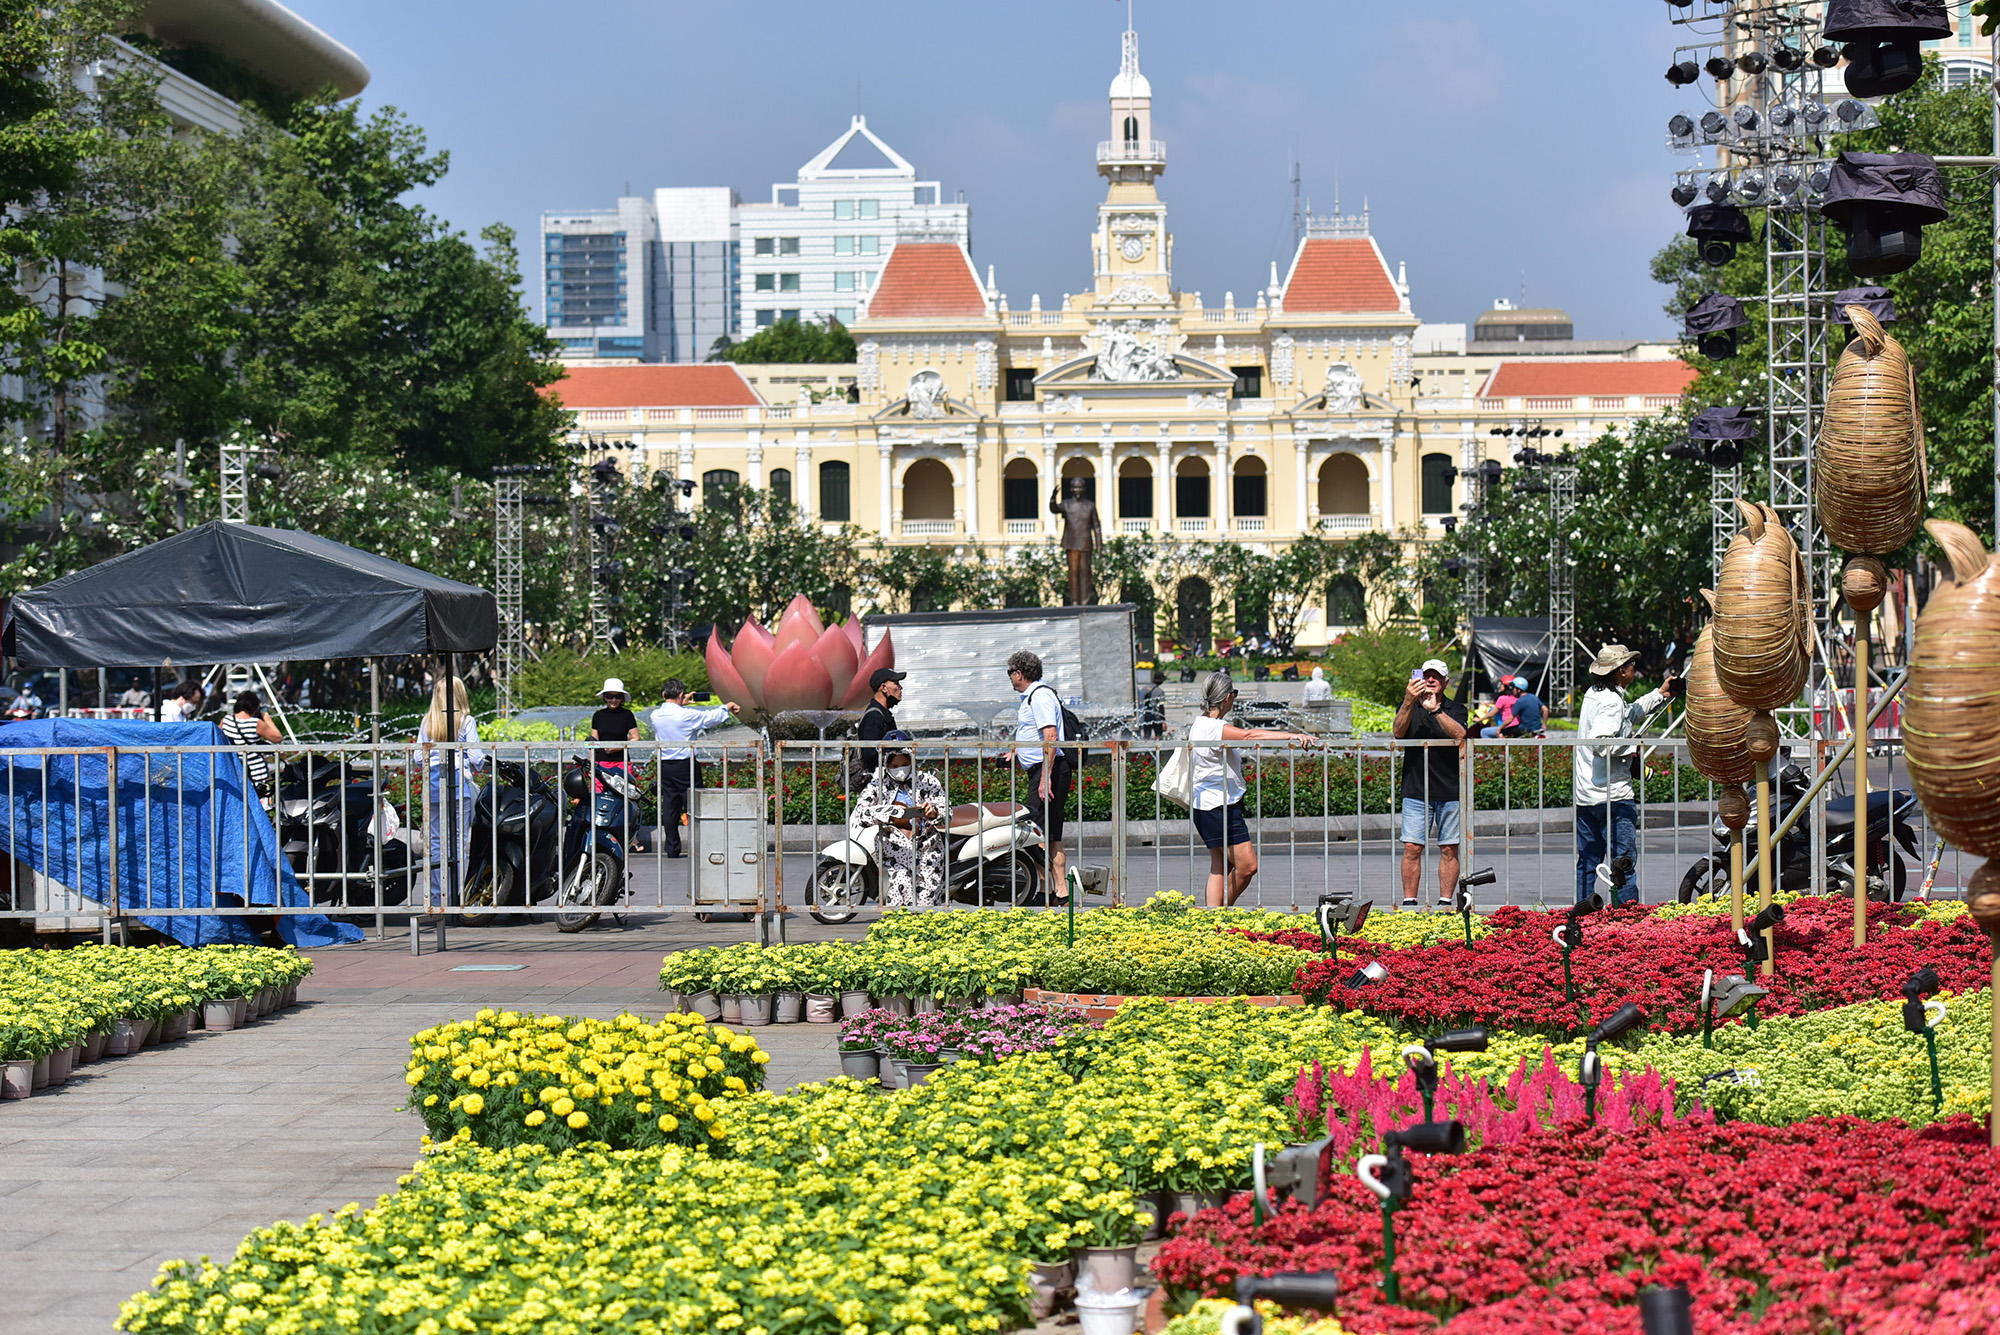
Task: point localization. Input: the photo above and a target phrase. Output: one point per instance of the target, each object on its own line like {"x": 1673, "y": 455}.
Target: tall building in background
{"x": 817, "y": 248}
{"x": 695, "y": 270}
{"x": 597, "y": 267}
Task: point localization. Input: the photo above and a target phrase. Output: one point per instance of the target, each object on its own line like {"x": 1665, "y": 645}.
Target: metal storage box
{"x": 726, "y": 842}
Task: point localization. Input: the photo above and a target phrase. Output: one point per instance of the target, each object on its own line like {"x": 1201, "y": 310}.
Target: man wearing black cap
{"x": 877, "y": 722}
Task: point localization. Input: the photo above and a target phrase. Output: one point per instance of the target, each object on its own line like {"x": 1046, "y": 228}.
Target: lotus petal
{"x": 852, "y": 629}
{"x": 799, "y": 625}
{"x": 797, "y": 680}
{"x": 727, "y": 681}
{"x": 836, "y": 652}
{"x": 883, "y": 655}
{"x": 752, "y": 653}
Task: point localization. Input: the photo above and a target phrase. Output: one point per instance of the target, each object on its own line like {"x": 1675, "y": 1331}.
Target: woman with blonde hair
{"x": 449, "y": 720}
{"x": 1218, "y": 789}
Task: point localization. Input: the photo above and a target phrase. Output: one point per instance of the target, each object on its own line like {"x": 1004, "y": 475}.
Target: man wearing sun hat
{"x": 1606, "y": 794}
{"x": 1435, "y": 727}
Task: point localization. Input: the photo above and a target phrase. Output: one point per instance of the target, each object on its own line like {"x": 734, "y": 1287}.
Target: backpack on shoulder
{"x": 1072, "y": 730}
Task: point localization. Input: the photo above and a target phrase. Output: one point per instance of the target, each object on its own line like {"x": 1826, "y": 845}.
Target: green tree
{"x": 791, "y": 341}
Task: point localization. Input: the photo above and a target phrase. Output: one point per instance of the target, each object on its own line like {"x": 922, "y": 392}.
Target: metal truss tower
{"x": 236, "y": 452}
{"x": 1561, "y": 682}
{"x": 508, "y": 566}
{"x": 602, "y": 480}
{"x": 1475, "y": 517}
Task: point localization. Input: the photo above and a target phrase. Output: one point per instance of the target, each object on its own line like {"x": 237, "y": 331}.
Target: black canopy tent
{"x": 238, "y": 593}
{"x": 1511, "y": 647}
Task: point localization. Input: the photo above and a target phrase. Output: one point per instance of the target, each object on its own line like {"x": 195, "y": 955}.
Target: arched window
{"x": 833, "y": 492}
{"x": 718, "y": 488}
{"x": 1191, "y": 490}
{"x": 1082, "y": 468}
{"x": 781, "y": 485}
{"x": 1438, "y": 474}
{"x": 1248, "y": 495}
{"x": 1345, "y": 605}
{"x": 1193, "y": 608}
{"x": 1021, "y": 491}
{"x": 1131, "y": 129}
{"x": 1135, "y": 490}
{"x": 1343, "y": 486}
{"x": 927, "y": 490}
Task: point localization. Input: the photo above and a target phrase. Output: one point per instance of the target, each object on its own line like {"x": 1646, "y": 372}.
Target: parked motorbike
{"x": 993, "y": 854}
{"x": 340, "y": 835}
{"x": 607, "y": 821}
{"x": 1888, "y": 875}
{"x": 516, "y": 851}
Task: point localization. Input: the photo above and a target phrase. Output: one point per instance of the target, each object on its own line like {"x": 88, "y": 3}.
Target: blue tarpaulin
{"x": 186, "y": 833}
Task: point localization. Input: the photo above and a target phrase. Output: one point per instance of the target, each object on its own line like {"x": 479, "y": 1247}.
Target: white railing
{"x": 1023, "y": 528}
{"x": 1658, "y": 401}
{"x": 1346, "y": 523}
{"x": 927, "y": 528}
{"x": 607, "y": 414}
{"x": 718, "y": 414}
{"x": 1550, "y": 404}
{"x": 1135, "y": 526}
{"x": 1612, "y": 401}
{"x": 1188, "y": 525}
{"x": 1020, "y": 317}
{"x": 1131, "y": 150}
{"x": 1250, "y": 523}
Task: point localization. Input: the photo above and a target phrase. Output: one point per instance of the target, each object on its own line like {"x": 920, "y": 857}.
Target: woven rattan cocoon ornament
{"x": 1951, "y": 706}
{"x": 1763, "y": 628}
{"x": 1715, "y": 724}
{"x": 1868, "y": 465}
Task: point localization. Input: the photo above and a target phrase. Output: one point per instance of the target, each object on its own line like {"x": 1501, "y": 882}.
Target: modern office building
{"x": 652, "y": 280}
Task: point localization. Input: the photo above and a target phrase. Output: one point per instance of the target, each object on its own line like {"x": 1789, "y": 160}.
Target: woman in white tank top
{"x": 1217, "y": 781}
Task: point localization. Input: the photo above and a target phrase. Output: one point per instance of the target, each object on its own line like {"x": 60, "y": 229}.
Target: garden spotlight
{"x": 1756, "y": 948}
{"x": 1340, "y": 910}
{"x": 1921, "y": 1016}
{"x": 1388, "y": 1176}
{"x": 1317, "y": 1290}
{"x": 1296, "y": 1170}
{"x": 1461, "y": 895}
{"x": 1372, "y": 972}
{"x": 1421, "y": 1058}
{"x": 1620, "y": 1022}
{"x": 1734, "y": 995}
{"x": 1569, "y": 935}
{"x": 1664, "y": 1310}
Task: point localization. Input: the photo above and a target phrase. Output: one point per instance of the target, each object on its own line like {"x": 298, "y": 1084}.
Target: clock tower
{"x": 1134, "y": 251}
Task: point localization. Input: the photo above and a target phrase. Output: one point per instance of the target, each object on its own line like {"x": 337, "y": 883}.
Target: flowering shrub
{"x": 1513, "y": 976}
{"x": 1831, "y": 1224}
{"x": 1172, "y": 964}
{"x": 1005, "y": 1031}
{"x": 52, "y": 999}
{"x": 503, "y": 1078}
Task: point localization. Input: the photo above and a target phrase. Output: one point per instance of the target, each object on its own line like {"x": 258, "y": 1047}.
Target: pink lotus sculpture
{"x": 803, "y": 666}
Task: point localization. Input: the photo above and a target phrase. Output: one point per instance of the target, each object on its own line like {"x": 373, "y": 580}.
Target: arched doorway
{"x": 1194, "y": 609}
{"x": 1346, "y": 606}
{"x": 1140, "y": 595}
{"x": 927, "y": 491}
{"x": 1438, "y": 473}
{"x": 1135, "y": 489}
{"x": 1191, "y": 491}
{"x": 1082, "y": 468}
{"x": 1249, "y": 494}
{"x": 1020, "y": 492}
{"x": 833, "y": 502}
{"x": 1343, "y": 486}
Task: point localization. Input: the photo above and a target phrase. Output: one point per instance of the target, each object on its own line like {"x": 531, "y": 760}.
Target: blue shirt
{"x": 676, "y": 725}
{"x": 1039, "y": 709}
{"x": 1528, "y": 711}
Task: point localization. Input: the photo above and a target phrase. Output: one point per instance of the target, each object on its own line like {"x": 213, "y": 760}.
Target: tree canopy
{"x": 791, "y": 341}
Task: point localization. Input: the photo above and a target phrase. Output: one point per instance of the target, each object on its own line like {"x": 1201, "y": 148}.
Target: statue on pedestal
{"x": 1081, "y": 536}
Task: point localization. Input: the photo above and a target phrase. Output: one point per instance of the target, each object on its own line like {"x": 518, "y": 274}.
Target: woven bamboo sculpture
{"x": 1951, "y": 711}
{"x": 1868, "y": 465}
{"x": 1763, "y": 618}
{"x": 1716, "y": 725}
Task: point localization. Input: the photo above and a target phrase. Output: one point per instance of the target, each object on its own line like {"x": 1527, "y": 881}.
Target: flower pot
{"x": 916, "y": 1073}
{"x": 126, "y": 1036}
{"x": 732, "y": 1008}
{"x": 1046, "y": 1286}
{"x": 288, "y": 996}
{"x": 789, "y": 1008}
{"x": 704, "y": 1003}
{"x": 93, "y": 1046}
{"x": 892, "y": 1073}
{"x": 267, "y": 1000}
{"x": 898, "y": 1006}
{"x": 1161, "y": 1204}
{"x": 673, "y": 1000}
{"x": 40, "y": 1072}
{"x": 1000, "y": 999}
{"x": 1108, "y": 1269}
{"x": 174, "y": 1027}
{"x": 822, "y": 1009}
{"x": 218, "y": 1017}
{"x": 755, "y": 1009}
{"x": 59, "y": 1066}
{"x": 1107, "y": 1313}
{"x": 17, "y": 1079}
{"x": 240, "y": 1008}
{"x": 854, "y": 1002}
{"x": 1189, "y": 1203}
{"x": 947, "y": 1056}
{"x": 924, "y": 1005}
{"x": 861, "y": 1065}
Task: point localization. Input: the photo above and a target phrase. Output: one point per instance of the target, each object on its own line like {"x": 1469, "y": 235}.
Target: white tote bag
{"x": 1176, "y": 778}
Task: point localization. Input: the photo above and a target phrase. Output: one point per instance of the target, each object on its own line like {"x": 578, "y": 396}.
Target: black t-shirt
{"x": 879, "y": 720}
{"x": 613, "y": 725}
{"x": 1434, "y": 778}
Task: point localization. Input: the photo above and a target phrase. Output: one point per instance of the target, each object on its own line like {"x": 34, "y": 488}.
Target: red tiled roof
{"x": 653, "y": 387}
{"x": 926, "y": 280}
{"x": 1605, "y": 377}
{"x": 1340, "y": 274}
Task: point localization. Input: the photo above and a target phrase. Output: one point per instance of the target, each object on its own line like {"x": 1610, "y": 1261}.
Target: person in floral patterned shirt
{"x": 911, "y": 808}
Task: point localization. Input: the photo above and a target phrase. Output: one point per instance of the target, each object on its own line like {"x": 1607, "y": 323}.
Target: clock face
{"x": 1134, "y": 247}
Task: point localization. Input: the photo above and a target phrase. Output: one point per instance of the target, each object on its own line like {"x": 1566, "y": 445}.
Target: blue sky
{"x": 1496, "y": 142}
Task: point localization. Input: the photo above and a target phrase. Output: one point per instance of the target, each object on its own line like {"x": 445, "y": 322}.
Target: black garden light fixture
{"x": 1751, "y": 936}
{"x": 1388, "y": 1176}
{"x": 1461, "y": 895}
{"x": 1665, "y": 1310}
{"x": 1619, "y": 1023}
{"x": 1922, "y": 1013}
{"x": 1421, "y": 1058}
{"x": 1340, "y": 911}
{"x": 1316, "y": 1291}
{"x": 1569, "y": 935}
{"x": 1883, "y": 39}
{"x": 1372, "y": 972}
{"x": 1734, "y": 995}
{"x": 1882, "y": 201}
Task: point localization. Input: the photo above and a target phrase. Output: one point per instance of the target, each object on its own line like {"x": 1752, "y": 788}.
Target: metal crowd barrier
{"x": 392, "y": 835}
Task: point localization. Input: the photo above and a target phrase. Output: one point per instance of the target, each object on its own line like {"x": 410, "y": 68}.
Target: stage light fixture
{"x": 1750, "y": 186}
{"x": 1825, "y": 57}
{"x": 1711, "y": 324}
{"x": 1719, "y": 67}
{"x": 1788, "y": 58}
{"x": 1786, "y": 182}
{"x": 1717, "y": 189}
{"x": 1784, "y": 119}
{"x": 1753, "y": 62}
{"x": 1882, "y": 41}
{"x": 1882, "y": 201}
{"x": 1746, "y": 118}
{"x": 1682, "y": 73}
{"x": 1850, "y": 115}
{"x": 1714, "y": 125}
{"x": 1877, "y": 301}
{"x": 1449, "y": 523}
{"x": 1680, "y": 134}
{"x": 1717, "y": 229}
{"x": 1725, "y": 454}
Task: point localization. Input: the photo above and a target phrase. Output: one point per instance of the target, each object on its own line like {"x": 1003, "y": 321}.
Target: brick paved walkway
{"x": 184, "y": 1149}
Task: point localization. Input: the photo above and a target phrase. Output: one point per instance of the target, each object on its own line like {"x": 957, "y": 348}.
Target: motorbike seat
{"x": 972, "y": 817}
{"x": 1840, "y": 810}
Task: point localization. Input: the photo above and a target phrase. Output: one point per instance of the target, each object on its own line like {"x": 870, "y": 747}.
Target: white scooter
{"x": 993, "y": 855}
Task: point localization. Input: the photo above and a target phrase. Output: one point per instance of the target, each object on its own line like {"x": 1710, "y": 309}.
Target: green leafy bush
{"x": 565, "y": 677}
{"x": 1375, "y": 664}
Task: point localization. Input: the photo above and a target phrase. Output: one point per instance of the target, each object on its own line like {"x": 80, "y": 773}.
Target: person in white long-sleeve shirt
{"x": 1605, "y": 792}
{"x": 675, "y": 725}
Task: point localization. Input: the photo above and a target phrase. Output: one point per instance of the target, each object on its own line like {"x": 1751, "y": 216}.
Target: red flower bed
{"x": 1514, "y": 977}
{"x": 1833, "y": 1225}
{"x": 1296, "y": 938}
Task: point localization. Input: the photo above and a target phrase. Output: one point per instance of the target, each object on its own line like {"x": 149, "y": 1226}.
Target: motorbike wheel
{"x": 1889, "y": 889}
{"x": 1012, "y": 882}
{"x": 837, "y": 891}
{"x": 1693, "y": 882}
{"x": 487, "y": 891}
{"x": 595, "y": 883}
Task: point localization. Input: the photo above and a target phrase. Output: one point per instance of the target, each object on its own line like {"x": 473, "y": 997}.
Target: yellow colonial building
{"x": 1319, "y": 404}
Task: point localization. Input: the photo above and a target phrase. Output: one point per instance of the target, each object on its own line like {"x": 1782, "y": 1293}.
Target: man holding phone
{"x": 1435, "y": 727}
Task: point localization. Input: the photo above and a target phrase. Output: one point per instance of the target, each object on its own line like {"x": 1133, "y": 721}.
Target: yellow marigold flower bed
{"x": 51, "y": 999}
{"x": 505, "y": 1078}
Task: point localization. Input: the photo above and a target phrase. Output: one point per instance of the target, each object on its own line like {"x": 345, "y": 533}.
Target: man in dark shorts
{"x": 1436, "y": 727}
{"x": 1037, "y": 732}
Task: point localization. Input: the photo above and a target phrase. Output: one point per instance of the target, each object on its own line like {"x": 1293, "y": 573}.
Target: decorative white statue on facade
{"x": 1343, "y": 388}
{"x": 1128, "y": 356}
{"x": 926, "y": 394}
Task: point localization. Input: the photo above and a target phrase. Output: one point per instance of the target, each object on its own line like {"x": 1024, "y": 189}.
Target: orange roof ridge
{"x": 710, "y": 385}
{"x": 1537, "y": 378}
{"x": 924, "y": 280}
{"x": 1340, "y": 274}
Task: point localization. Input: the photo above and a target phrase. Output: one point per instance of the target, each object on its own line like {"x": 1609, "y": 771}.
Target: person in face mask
{"x": 910, "y": 807}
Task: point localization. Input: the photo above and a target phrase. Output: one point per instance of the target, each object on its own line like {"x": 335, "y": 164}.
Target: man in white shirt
{"x": 1605, "y": 793}
{"x": 1037, "y": 729}
{"x": 674, "y": 726}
